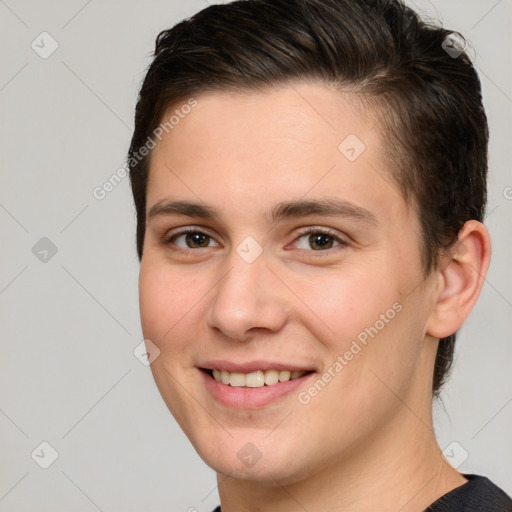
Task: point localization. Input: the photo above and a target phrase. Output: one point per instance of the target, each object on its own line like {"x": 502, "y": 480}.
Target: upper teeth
{"x": 256, "y": 379}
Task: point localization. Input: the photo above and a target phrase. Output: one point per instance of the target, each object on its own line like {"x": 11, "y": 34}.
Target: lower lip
{"x": 251, "y": 398}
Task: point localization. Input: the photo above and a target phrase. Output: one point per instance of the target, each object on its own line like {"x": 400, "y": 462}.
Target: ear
{"x": 460, "y": 280}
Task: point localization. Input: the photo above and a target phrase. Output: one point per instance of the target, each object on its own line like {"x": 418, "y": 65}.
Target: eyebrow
{"x": 285, "y": 210}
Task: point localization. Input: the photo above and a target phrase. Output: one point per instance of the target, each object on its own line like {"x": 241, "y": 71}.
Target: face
{"x": 277, "y": 242}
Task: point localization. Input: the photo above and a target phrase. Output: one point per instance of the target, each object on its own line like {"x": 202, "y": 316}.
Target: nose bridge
{"x": 246, "y": 298}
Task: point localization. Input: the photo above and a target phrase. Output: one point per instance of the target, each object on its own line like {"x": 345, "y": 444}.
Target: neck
{"x": 401, "y": 468}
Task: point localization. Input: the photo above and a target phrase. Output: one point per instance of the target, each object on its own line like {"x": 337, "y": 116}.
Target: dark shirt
{"x": 478, "y": 494}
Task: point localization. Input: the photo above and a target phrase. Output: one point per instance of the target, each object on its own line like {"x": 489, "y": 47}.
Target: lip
{"x": 252, "y": 398}
{"x": 250, "y": 366}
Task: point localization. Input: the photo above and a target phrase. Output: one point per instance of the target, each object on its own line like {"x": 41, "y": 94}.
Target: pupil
{"x": 197, "y": 239}
{"x": 320, "y": 240}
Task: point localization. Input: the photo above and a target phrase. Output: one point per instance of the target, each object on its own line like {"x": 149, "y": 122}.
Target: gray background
{"x": 70, "y": 324}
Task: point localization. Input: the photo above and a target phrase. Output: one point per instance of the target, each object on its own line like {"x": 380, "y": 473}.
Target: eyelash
{"x": 321, "y": 231}
{"x": 309, "y": 231}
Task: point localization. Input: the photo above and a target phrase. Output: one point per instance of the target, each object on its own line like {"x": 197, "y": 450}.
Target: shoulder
{"x": 478, "y": 494}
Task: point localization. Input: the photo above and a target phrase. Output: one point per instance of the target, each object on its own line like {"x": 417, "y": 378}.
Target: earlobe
{"x": 460, "y": 280}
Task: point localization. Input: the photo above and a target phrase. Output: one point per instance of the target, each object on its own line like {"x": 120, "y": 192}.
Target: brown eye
{"x": 320, "y": 241}
{"x": 192, "y": 240}
{"x": 197, "y": 240}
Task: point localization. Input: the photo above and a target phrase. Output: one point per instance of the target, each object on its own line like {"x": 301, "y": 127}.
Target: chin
{"x": 269, "y": 462}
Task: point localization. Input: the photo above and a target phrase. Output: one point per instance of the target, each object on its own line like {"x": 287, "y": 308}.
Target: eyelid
{"x": 342, "y": 241}
{"x": 175, "y": 233}
{"x": 326, "y": 231}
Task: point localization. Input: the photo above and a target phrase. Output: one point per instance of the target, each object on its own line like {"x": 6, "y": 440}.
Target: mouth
{"x": 256, "y": 379}
{"x": 255, "y": 389}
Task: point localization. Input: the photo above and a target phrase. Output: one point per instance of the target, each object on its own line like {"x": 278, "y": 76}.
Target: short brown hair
{"x": 434, "y": 119}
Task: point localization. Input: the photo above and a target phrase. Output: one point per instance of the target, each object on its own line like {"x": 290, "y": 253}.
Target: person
{"x": 309, "y": 178}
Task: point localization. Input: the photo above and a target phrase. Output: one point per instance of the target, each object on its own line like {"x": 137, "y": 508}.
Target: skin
{"x": 365, "y": 441}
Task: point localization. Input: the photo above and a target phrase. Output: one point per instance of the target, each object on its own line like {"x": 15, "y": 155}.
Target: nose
{"x": 247, "y": 300}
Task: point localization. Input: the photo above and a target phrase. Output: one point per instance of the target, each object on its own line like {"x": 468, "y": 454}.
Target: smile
{"x": 253, "y": 389}
{"x": 255, "y": 379}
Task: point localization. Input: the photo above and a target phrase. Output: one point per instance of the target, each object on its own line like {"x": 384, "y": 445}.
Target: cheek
{"x": 364, "y": 325}
{"x": 375, "y": 349}
{"x": 346, "y": 306}
{"x": 166, "y": 300}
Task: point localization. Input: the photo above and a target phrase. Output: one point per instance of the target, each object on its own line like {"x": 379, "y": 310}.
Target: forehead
{"x": 301, "y": 114}
{"x": 293, "y": 141}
